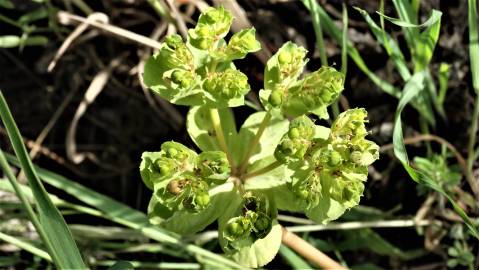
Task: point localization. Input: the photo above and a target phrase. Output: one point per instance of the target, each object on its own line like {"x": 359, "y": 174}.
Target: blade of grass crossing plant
{"x": 412, "y": 88}
{"x": 389, "y": 44}
{"x": 125, "y": 215}
{"x": 344, "y": 42}
{"x": 407, "y": 15}
{"x": 427, "y": 42}
{"x": 25, "y": 246}
{"x": 474, "y": 54}
{"x": 293, "y": 259}
{"x": 407, "y": 22}
{"x": 318, "y": 31}
{"x": 58, "y": 237}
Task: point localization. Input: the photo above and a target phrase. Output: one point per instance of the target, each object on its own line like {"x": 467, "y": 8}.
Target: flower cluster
{"x": 336, "y": 167}
{"x": 200, "y": 71}
{"x": 254, "y": 222}
{"x": 180, "y": 178}
{"x": 280, "y": 159}
{"x": 292, "y": 96}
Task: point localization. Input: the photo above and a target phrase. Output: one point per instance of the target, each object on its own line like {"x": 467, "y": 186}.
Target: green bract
{"x": 241, "y": 178}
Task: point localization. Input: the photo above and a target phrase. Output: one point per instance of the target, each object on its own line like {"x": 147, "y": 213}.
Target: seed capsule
{"x": 334, "y": 158}
{"x": 175, "y": 187}
{"x": 202, "y": 199}
{"x": 285, "y": 57}
{"x": 293, "y": 133}
{"x": 235, "y": 229}
{"x": 275, "y": 98}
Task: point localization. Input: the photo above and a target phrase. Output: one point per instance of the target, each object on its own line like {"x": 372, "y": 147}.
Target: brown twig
{"x": 309, "y": 252}
{"x": 460, "y": 159}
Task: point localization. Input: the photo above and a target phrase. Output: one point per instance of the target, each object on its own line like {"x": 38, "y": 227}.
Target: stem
{"x": 309, "y": 252}
{"x": 254, "y": 143}
{"x": 472, "y": 138}
{"x": 215, "y": 118}
{"x": 318, "y": 31}
{"x": 266, "y": 169}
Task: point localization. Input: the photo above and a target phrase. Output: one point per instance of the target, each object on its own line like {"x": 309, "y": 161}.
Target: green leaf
{"x": 184, "y": 222}
{"x": 433, "y": 19}
{"x": 389, "y": 45}
{"x": 293, "y": 259}
{"x": 7, "y": 4}
{"x": 411, "y": 89}
{"x": 262, "y": 251}
{"x": 277, "y": 126}
{"x": 327, "y": 210}
{"x": 276, "y": 177}
{"x": 52, "y": 227}
{"x": 35, "y": 15}
{"x": 201, "y": 130}
{"x": 240, "y": 44}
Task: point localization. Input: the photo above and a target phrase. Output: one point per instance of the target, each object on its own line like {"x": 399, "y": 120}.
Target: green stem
{"x": 215, "y": 118}
{"x": 472, "y": 137}
{"x": 263, "y": 170}
{"x": 254, "y": 143}
{"x": 318, "y": 31}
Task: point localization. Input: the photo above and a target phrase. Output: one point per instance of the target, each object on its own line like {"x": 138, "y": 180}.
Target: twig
{"x": 309, "y": 252}
{"x": 462, "y": 162}
{"x": 100, "y": 17}
{"x": 354, "y": 225}
{"x": 68, "y": 18}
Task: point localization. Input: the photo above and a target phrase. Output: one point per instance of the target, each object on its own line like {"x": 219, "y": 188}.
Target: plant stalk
{"x": 215, "y": 118}
{"x": 266, "y": 169}
{"x": 254, "y": 143}
{"x": 309, "y": 252}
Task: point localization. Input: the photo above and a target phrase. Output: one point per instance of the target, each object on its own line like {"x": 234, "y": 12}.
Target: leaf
{"x": 276, "y": 177}
{"x": 411, "y": 89}
{"x": 201, "y": 130}
{"x": 389, "y": 45}
{"x": 35, "y": 15}
{"x": 7, "y": 4}
{"x": 473, "y": 43}
{"x": 293, "y": 259}
{"x": 262, "y": 251}
{"x": 52, "y": 227}
{"x": 433, "y": 19}
{"x": 184, "y": 222}
{"x": 277, "y": 126}
{"x": 327, "y": 210}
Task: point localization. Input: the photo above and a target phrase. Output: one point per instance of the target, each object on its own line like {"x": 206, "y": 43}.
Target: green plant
{"x": 241, "y": 179}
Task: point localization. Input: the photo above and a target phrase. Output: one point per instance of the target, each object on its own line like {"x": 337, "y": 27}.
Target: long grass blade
{"x": 412, "y": 88}
{"x": 318, "y": 32}
{"x": 29, "y": 247}
{"x": 474, "y": 55}
{"x": 56, "y": 235}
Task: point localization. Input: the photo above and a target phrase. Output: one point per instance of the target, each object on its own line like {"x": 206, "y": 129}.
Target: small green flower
{"x": 213, "y": 165}
{"x": 227, "y": 85}
{"x": 212, "y": 25}
{"x": 242, "y": 43}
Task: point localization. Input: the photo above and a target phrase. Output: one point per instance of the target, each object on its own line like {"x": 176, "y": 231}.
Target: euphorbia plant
{"x": 242, "y": 178}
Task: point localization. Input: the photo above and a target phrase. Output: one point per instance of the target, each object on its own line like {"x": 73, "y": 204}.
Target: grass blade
{"x": 125, "y": 215}
{"x": 412, "y": 88}
{"x": 318, "y": 32}
{"x": 51, "y": 226}
{"x": 344, "y": 42}
{"x": 474, "y": 54}
{"x": 25, "y": 246}
{"x": 293, "y": 259}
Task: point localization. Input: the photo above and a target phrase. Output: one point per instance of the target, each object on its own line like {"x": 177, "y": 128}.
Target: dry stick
{"x": 462, "y": 162}
{"x": 309, "y": 252}
{"x": 68, "y": 18}
{"x": 100, "y": 17}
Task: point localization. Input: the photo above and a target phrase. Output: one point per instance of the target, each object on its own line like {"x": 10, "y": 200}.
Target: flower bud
{"x": 227, "y": 85}
{"x": 293, "y": 133}
{"x": 213, "y": 165}
{"x": 285, "y": 57}
{"x": 202, "y": 200}
{"x": 276, "y": 98}
{"x": 242, "y": 43}
{"x": 334, "y": 158}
